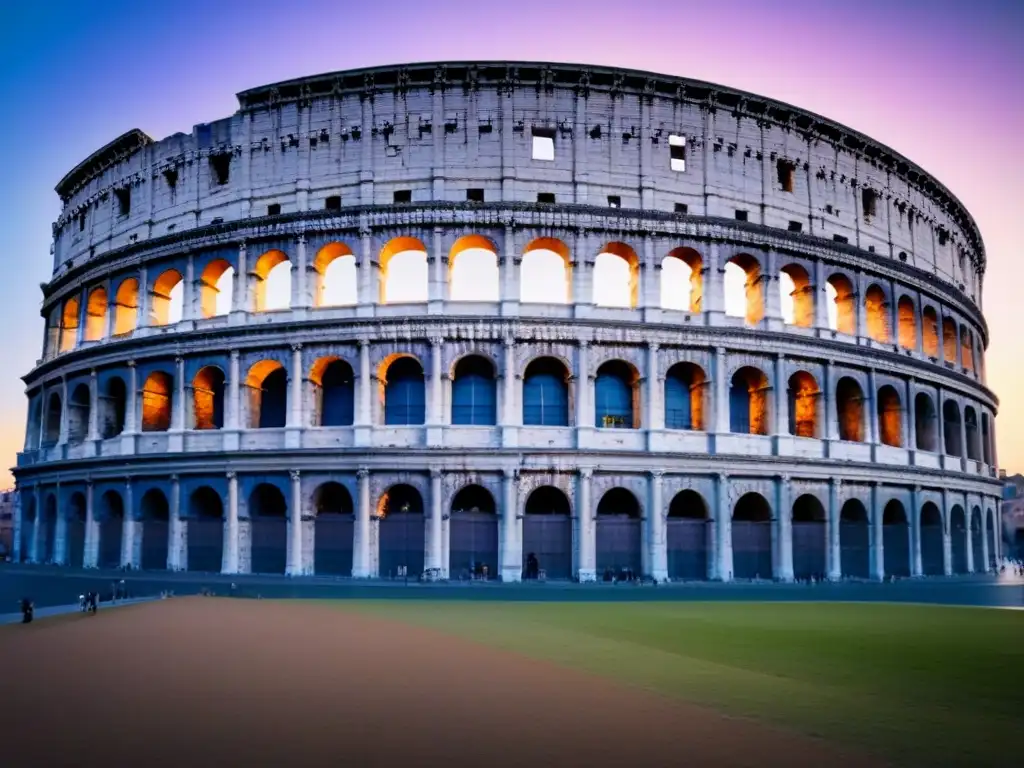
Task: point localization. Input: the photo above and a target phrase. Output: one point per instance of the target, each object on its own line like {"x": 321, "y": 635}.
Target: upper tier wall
{"x": 438, "y": 130}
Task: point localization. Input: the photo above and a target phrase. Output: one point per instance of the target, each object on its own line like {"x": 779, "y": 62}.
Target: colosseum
{"x": 511, "y": 321}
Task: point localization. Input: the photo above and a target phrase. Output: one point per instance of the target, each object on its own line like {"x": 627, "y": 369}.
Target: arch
{"x": 931, "y": 540}
{"x": 850, "y": 410}
{"x": 930, "y": 332}
{"x": 52, "y": 419}
{"x": 841, "y": 304}
{"x": 96, "y": 314}
{"x": 545, "y": 275}
{"x": 166, "y": 298}
{"x": 474, "y": 392}
{"x": 616, "y": 277}
{"x": 69, "y": 325}
{"x": 907, "y": 319}
{"x": 208, "y": 398}
{"x": 973, "y": 446}
{"x": 895, "y": 539}
{"x": 473, "y": 534}
{"x": 949, "y": 340}
{"x": 272, "y": 288}
{"x": 404, "y": 392}
{"x": 404, "y": 275}
{"x": 890, "y": 416}
{"x": 74, "y": 547}
{"x": 688, "y": 536}
{"x": 619, "y": 536}
{"x": 682, "y": 280}
{"x": 685, "y": 384}
{"x": 49, "y": 530}
{"x": 154, "y": 514}
{"x": 977, "y": 541}
{"x": 112, "y": 407}
{"x": 854, "y": 540}
{"x": 986, "y": 440}
{"x": 473, "y": 273}
{"x": 803, "y": 395}
{"x": 157, "y": 402}
{"x": 28, "y": 519}
{"x": 744, "y": 296}
{"x": 966, "y": 350}
{"x": 546, "y": 393}
{"x": 951, "y": 428}
{"x": 205, "y": 546}
{"x": 617, "y": 396}
{"x": 337, "y": 276}
{"x": 797, "y": 296}
{"x": 334, "y": 531}
{"x": 79, "y": 407}
{"x": 111, "y": 529}
{"x": 992, "y": 532}
{"x": 958, "y": 539}
{"x": 126, "y": 306}
{"x": 926, "y": 425}
{"x": 752, "y": 537}
{"x": 267, "y": 386}
{"x": 402, "y": 534}
{"x": 876, "y": 313}
{"x": 268, "y": 529}
{"x": 748, "y": 402}
{"x": 810, "y": 538}
{"x": 216, "y": 288}
{"x": 334, "y": 392}
{"x": 547, "y": 534}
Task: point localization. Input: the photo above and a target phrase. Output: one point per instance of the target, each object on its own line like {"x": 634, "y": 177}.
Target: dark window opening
{"x": 81, "y": 222}
{"x": 221, "y": 166}
{"x": 274, "y": 209}
{"x": 595, "y": 132}
{"x": 171, "y": 177}
{"x": 943, "y": 237}
{"x": 786, "y": 172}
{"x": 828, "y": 208}
{"x": 677, "y": 152}
{"x": 545, "y": 197}
{"x": 871, "y": 249}
{"x": 485, "y": 127}
{"x": 840, "y": 238}
{"x": 124, "y": 200}
{"x": 475, "y": 195}
{"x": 403, "y": 196}
{"x": 333, "y": 203}
{"x": 741, "y": 215}
{"x": 682, "y": 208}
{"x": 614, "y": 201}
{"x": 868, "y": 199}
{"x": 795, "y": 226}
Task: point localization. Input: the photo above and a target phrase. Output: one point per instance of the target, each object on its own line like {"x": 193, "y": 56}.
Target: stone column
{"x": 94, "y": 407}
{"x": 714, "y": 287}
{"x": 877, "y": 549}
{"x": 834, "y": 524}
{"x": 784, "y": 530}
{"x": 963, "y": 441}
{"x": 586, "y": 534}
{"x": 969, "y": 540}
{"x": 293, "y": 567}
{"x": 650, "y": 278}
{"x": 230, "y": 558}
{"x": 721, "y": 392}
{"x": 986, "y": 565}
{"x": 367, "y": 295}
{"x": 947, "y": 542}
{"x": 655, "y": 419}
{"x": 831, "y": 417}
{"x": 821, "y": 299}
{"x": 915, "y": 531}
{"x": 433, "y": 555}
{"x": 36, "y": 553}
{"x": 436, "y": 282}
{"x": 772, "y": 292}
{"x": 723, "y": 527}
{"x": 177, "y": 541}
{"x": 365, "y": 394}
{"x": 300, "y": 276}
{"x": 130, "y": 411}
{"x": 509, "y": 412}
{"x": 584, "y": 411}
{"x": 941, "y": 423}
{"x": 62, "y": 439}
{"x": 129, "y": 528}
{"x": 361, "y": 530}
{"x": 143, "y": 319}
{"x": 781, "y": 396}
{"x": 872, "y": 408}
{"x": 188, "y": 290}
{"x": 232, "y": 403}
{"x": 60, "y": 531}
{"x": 90, "y": 556}
{"x": 511, "y": 565}
{"x": 657, "y": 543}
{"x": 240, "y": 291}
{"x": 582, "y": 289}
{"x": 435, "y": 413}
{"x": 509, "y": 284}
{"x": 911, "y": 437}
{"x": 293, "y": 426}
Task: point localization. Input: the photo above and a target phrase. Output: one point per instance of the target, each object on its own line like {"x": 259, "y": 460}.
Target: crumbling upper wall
{"x": 435, "y": 130}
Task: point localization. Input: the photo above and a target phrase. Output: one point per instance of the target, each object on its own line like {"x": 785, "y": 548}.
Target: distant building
{"x": 1014, "y": 485}
{"x": 1013, "y": 524}
{"x": 6, "y": 522}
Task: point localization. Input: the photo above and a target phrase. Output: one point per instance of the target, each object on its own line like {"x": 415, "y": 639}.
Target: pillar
{"x": 721, "y": 392}
{"x": 364, "y": 397}
{"x": 293, "y": 567}
{"x": 433, "y": 556}
{"x": 177, "y": 539}
{"x": 723, "y": 528}
{"x": 131, "y": 401}
{"x": 509, "y": 412}
{"x": 435, "y": 414}
{"x": 511, "y": 565}
{"x": 714, "y": 286}
{"x": 658, "y": 542}
{"x": 300, "y": 275}
{"x": 784, "y": 530}
{"x": 586, "y": 539}
{"x": 145, "y": 300}
{"x": 129, "y": 528}
{"x": 969, "y": 536}
{"x": 37, "y": 526}
{"x": 821, "y": 298}
{"x": 361, "y": 530}
{"x": 655, "y": 416}
{"x": 294, "y": 423}
{"x": 877, "y": 548}
{"x": 831, "y": 417}
{"x": 986, "y": 566}
{"x": 240, "y": 291}
{"x": 90, "y": 556}
{"x": 834, "y": 524}
{"x": 60, "y": 531}
{"x": 915, "y": 531}
{"x": 366, "y": 295}
{"x": 510, "y": 260}
{"x": 188, "y": 290}
{"x": 63, "y": 437}
{"x": 911, "y": 421}
{"x": 781, "y": 396}
{"x": 772, "y": 294}
{"x": 436, "y": 283}
{"x": 872, "y": 408}
{"x": 584, "y": 413}
{"x": 229, "y": 562}
{"x": 178, "y": 407}
{"x": 94, "y": 403}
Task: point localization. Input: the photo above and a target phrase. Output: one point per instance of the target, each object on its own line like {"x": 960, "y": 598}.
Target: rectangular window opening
{"x": 333, "y": 203}
{"x": 403, "y": 196}
{"x": 840, "y": 238}
{"x": 741, "y": 215}
{"x": 274, "y": 209}
{"x": 868, "y": 199}
{"x": 786, "y": 172}
{"x": 475, "y": 195}
{"x": 796, "y": 226}
{"x": 682, "y": 208}
{"x": 614, "y": 201}
{"x": 171, "y": 177}
{"x": 221, "y": 167}
{"x": 677, "y": 152}
{"x": 545, "y": 197}
{"x": 543, "y": 144}
{"x": 124, "y": 200}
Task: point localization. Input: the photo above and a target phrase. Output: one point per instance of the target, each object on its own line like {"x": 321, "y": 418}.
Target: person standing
{"x": 27, "y": 610}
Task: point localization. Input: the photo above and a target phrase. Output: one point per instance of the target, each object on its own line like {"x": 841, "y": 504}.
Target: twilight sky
{"x": 940, "y": 81}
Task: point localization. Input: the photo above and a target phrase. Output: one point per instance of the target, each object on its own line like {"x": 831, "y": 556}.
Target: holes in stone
{"x": 869, "y": 202}
{"x": 682, "y": 208}
{"x": 786, "y": 172}
{"x": 403, "y": 196}
{"x": 614, "y": 201}
{"x": 795, "y": 226}
{"x": 677, "y": 152}
{"x": 475, "y": 195}
{"x": 595, "y": 132}
{"x": 171, "y": 177}
{"x": 124, "y": 200}
{"x": 333, "y": 203}
{"x": 221, "y": 166}
{"x": 741, "y": 216}
{"x": 274, "y": 209}
{"x": 840, "y": 238}
{"x": 543, "y": 143}
{"x": 546, "y": 197}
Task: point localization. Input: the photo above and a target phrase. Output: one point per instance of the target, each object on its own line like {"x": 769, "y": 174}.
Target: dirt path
{"x": 202, "y": 681}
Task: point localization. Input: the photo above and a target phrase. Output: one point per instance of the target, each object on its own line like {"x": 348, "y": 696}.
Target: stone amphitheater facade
{"x": 829, "y": 419}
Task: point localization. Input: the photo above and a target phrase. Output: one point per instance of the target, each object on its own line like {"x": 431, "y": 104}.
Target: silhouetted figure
{"x": 27, "y": 610}
{"x": 532, "y": 566}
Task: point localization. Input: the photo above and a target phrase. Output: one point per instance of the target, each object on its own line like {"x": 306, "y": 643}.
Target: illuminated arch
{"x": 907, "y": 315}
{"x": 616, "y": 277}
{"x": 682, "y": 281}
{"x": 804, "y": 395}
{"x": 841, "y": 304}
{"x": 797, "y": 296}
{"x": 96, "y": 314}
{"x": 748, "y": 402}
{"x": 473, "y": 273}
{"x": 208, "y": 398}
{"x": 545, "y": 275}
{"x": 404, "y": 275}
{"x": 273, "y": 282}
{"x": 166, "y": 297}
{"x": 126, "y": 306}
{"x": 744, "y": 294}
{"x": 876, "y": 311}
{"x": 850, "y": 410}
{"x": 890, "y": 416}
{"x": 337, "y": 276}
{"x": 966, "y": 349}
{"x": 333, "y": 392}
{"x": 157, "y": 402}
{"x": 216, "y": 288}
{"x": 267, "y": 386}
{"x": 684, "y": 396}
{"x": 69, "y": 324}
{"x": 930, "y": 332}
{"x": 949, "y": 342}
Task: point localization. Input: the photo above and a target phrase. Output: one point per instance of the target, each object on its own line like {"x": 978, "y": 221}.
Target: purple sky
{"x": 940, "y": 81}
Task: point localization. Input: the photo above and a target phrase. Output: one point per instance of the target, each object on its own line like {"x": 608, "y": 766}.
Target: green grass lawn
{"x": 920, "y": 685}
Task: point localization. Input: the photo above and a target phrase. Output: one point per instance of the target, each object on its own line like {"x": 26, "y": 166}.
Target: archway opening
{"x": 405, "y": 399}
{"x": 473, "y": 273}
{"x": 744, "y": 295}
{"x": 473, "y": 534}
{"x": 931, "y": 540}
{"x": 402, "y": 534}
{"x": 841, "y": 305}
{"x": 69, "y": 325}
{"x": 951, "y": 428}
{"x": 876, "y": 311}
{"x": 208, "y": 398}
{"x": 616, "y": 396}
{"x": 96, "y": 314}
{"x": 546, "y": 393}
{"x": 966, "y": 350}
{"x": 930, "y": 332}
{"x": 973, "y": 436}
{"x": 684, "y": 397}
{"x": 810, "y": 543}
{"x": 334, "y": 392}
{"x": 890, "y": 416}
{"x": 126, "y": 306}
{"x": 907, "y": 318}
{"x": 616, "y": 277}
{"x": 74, "y": 548}
{"x": 803, "y": 394}
{"x": 854, "y": 540}
{"x": 545, "y": 275}
{"x": 111, "y": 529}
{"x": 752, "y": 537}
{"x": 154, "y": 514}
{"x": 797, "y": 296}
{"x": 474, "y": 392}
{"x": 958, "y": 539}
{"x": 547, "y": 535}
{"x": 51, "y": 424}
{"x": 682, "y": 282}
{"x": 337, "y": 276}
{"x": 687, "y": 533}
{"x": 404, "y": 272}
{"x": 334, "y": 531}
{"x": 49, "y": 529}
{"x": 272, "y": 282}
{"x": 205, "y": 530}
{"x": 850, "y": 410}
{"x": 216, "y": 288}
{"x": 166, "y": 298}
{"x": 157, "y": 402}
{"x": 926, "y": 425}
{"x": 268, "y": 521}
{"x": 977, "y": 541}
{"x": 112, "y": 405}
{"x": 895, "y": 539}
{"x": 267, "y": 387}
{"x": 79, "y": 408}
{"x": 619, "y": 536}
{"x": 949, "y": 339}
{"x": 748, "y": 402}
